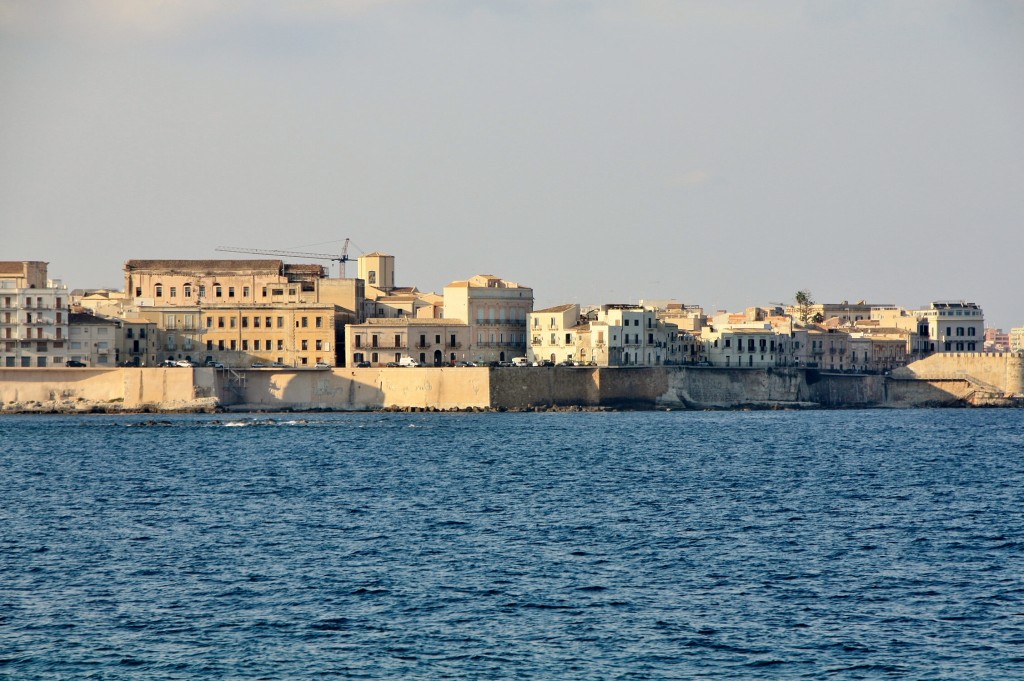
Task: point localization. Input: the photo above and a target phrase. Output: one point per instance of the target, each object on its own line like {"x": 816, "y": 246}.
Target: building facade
{"x": 495, "y": 311}
{"x": 33, "y": 316}
{"x": 243, "y": 312}
{"x": 431, "y": 342}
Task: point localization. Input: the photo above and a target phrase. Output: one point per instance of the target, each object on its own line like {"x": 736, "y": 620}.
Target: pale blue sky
{"x": 721, "y": 153}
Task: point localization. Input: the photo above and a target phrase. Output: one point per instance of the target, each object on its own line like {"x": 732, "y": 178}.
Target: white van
{"x": 408, "y": 362}
{"x": 520, "y": 362}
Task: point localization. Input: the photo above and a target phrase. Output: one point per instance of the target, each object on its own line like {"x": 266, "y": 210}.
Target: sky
{"x": 723, "y": 154}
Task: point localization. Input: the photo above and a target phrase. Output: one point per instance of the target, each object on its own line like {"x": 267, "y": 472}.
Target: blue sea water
{"x": 644, "y": 545}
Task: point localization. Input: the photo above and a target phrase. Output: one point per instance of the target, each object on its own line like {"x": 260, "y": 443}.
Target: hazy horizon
{"x": 724, "y": 154}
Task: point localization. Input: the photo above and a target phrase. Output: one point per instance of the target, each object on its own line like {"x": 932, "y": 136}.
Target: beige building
{"x": 747, "y": 344}
{"x": 1016, "y": 339}
{"x": 94, "y": 340}
{"x": 496, "y": 312}
{"x": 33, "y": 316}
{"x": 243, "y": 312}
{"x": 431, "y": 342}
{"x": 608, "y": 336}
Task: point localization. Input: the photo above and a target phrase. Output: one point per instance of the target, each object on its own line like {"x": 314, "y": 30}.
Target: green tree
{"x": 804, "y": 304}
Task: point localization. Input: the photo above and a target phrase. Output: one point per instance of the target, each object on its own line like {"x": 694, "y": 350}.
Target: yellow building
{"x": 243, "y": 312}
{"x": 431, "y": 342}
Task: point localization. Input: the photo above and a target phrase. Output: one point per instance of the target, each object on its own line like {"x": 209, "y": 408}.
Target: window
{"x": 305, "y": 322}
{"x": 280, "y": 322}
{"x": 305, "y": 344}
{"x": 232, "y": 322}
{"x": 234, "y": 345}
{"x": 217, "y": 290}
{"x": 245, "y": 322}
{"x": 245, "y": 291}
{"x": 231, "y": 291}
{"x": 277, "y": 292}
{"x": 138, "y": 291}
{"x": 245, "y": 344}
{"x": 319, "y": 344}
{"x": 319, "y": 322}
{"x": 220, "y": 345}
{"x": 280, "y": 344}
{"x": 269, "y": 320}
{"x": 371, "y": 278}
{"x": 188, "y": 290}
{"x": 220, "y": 322}
{"x": 158, "y": 291}
{"x": 255, "y": 322}
{"x": 264, "y": 291}
{"x": 202, "y": 290}
{"x": 359, "y": 341}
{"x": 256, "y": 344}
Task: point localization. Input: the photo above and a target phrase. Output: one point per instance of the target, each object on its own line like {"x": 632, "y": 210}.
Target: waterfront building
{"x": 240, "y": 312}
{"x": 431, "y": 342}
{"x": 33, "y": 316}
{"x": 608, "y": 336}
{"x": 496, "y": 312}
{"x": 747, "y": 344}
{"x": 954, "y": 326}
{"x": 553, "y": 334}
{"x": 93, "y": 340}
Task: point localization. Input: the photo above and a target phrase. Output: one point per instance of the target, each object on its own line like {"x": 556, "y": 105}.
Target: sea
{"x": 884, "y": 544}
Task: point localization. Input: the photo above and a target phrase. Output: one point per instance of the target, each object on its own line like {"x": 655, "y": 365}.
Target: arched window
{"x": 158, "y": 290}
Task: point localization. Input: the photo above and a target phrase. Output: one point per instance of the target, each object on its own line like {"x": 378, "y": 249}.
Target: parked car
{"x": 520, "y": 362}
{"x": 321, "y": 365}
{"x": 74, "y": 363}
{"x": 408, "y": 362}
{"x": 212, "y": 364}
{"x": 169, "y": 363}
{"x": 465, "y": 364}
{"x": 363, "y": 365}
{"x": 391, "y": 364}
{"x": 258, "y": 365}
{"x": 279, "y": 365}
{"x": 184, "y": 363}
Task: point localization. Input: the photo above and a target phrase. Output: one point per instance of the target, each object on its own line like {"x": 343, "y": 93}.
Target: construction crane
{"x": 340, "y": 259}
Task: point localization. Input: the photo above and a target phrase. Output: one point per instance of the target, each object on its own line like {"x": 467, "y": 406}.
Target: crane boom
{"x": 340, "y": 259}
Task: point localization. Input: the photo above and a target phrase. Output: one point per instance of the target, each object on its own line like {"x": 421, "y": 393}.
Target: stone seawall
{"x": 346, "y": 389}
{"x": 120, "y": 389}
{"x": 954, "y": 380}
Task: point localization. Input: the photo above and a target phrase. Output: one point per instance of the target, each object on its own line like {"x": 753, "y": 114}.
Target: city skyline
{"x": 722, "y": 154}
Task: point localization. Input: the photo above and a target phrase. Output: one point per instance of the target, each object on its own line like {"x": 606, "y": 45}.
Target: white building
{"x": 33, "y": 316}
{"x": 954, "y": 326}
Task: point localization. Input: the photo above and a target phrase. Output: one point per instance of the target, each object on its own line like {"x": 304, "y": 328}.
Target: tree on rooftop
{"x": 804, "y": 303}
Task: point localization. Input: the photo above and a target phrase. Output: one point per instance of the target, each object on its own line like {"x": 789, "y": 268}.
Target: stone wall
{"x": 358, "y": 389}
{"x": 128, "y": 388}
{"x": 996, "y": 371}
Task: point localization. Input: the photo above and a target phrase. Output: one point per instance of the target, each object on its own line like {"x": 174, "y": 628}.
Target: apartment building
{"x": 608, "y": 336}
{"x": 747, "y": 344}
{"x": 495, "y": 311}
{"x": 242, "y": 312}
{"x": 33, "y": 316}
{"x": 94, "y": 341}
{"x": 431, "y": 342}
{"x": 954, "y": 326}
